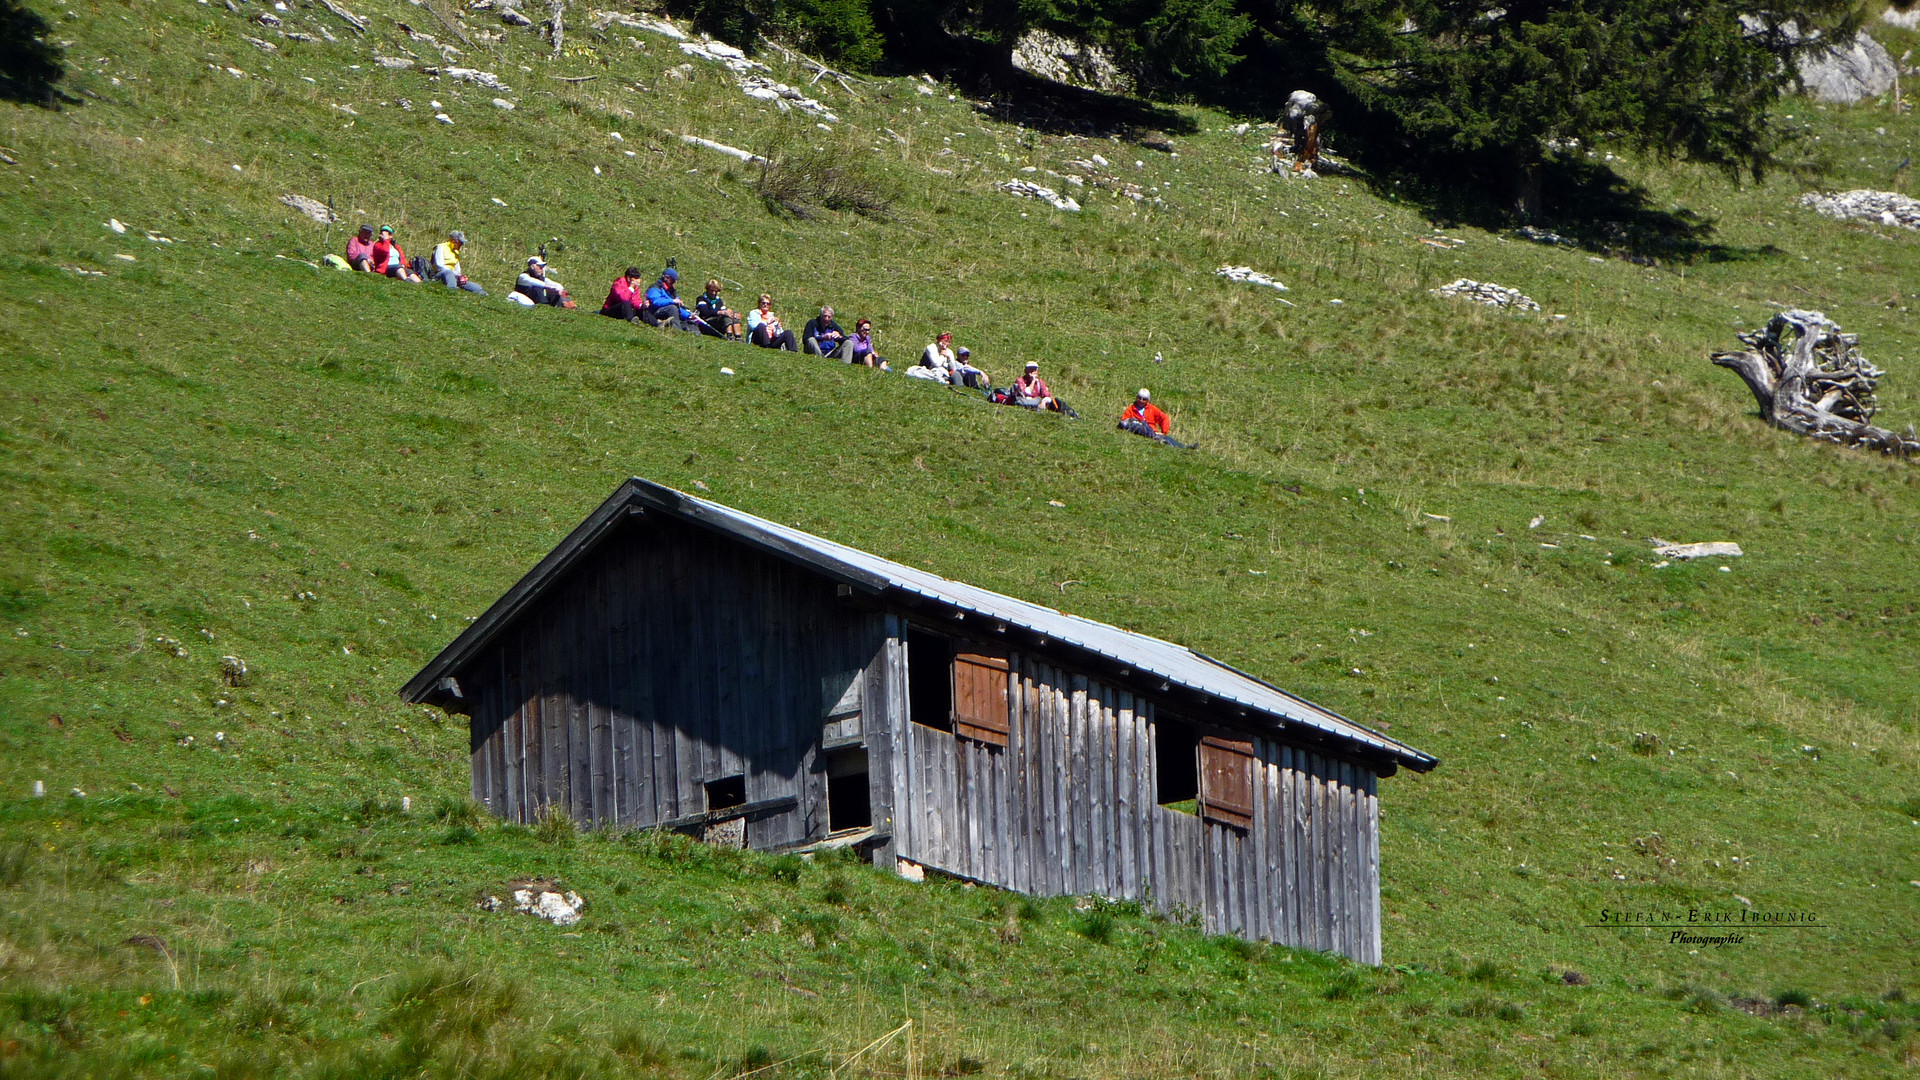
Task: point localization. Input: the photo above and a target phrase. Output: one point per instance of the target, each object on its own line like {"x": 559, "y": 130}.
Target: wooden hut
{"x": 677, "y": 663}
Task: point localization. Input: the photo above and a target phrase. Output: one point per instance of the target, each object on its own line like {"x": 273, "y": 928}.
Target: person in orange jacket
{"x": 1143, "y": 417}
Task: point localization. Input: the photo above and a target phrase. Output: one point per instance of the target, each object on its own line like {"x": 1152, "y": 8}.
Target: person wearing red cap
{"x": 1143, "y": 417}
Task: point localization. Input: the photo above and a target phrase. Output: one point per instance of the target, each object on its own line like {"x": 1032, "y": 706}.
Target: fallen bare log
{"x": 359, "y": 24}
{"x": 1810, "y": 378}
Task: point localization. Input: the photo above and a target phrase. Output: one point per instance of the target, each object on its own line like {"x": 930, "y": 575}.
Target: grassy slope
{"x": 208, "y": 432}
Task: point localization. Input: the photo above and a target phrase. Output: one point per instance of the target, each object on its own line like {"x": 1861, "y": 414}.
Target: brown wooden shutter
{"x": 1226, "y": 781}
{"x": 980, "y": 697}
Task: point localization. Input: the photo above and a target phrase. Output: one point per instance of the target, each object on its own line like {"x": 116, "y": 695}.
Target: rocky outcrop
{"x": 1486, "y": 292}
{"x": 1064, "y": 60}
{"x": 1839, "y": 74}
{"x": 1844, "y": 74}
{"x": 1885, "y": 207}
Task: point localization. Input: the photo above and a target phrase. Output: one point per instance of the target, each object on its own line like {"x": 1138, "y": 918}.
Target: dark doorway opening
{"x": 849, "y": 797}
{"x": 929, "y": 680}
{"x": 726, "y": 792}
{"x": 1176, "y": 779}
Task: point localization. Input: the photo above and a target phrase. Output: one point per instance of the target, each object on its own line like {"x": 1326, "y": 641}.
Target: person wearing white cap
{"x": 1030, "y": 390}
{"x": 1143, "y": 417}
{"x": 535, "y": 287}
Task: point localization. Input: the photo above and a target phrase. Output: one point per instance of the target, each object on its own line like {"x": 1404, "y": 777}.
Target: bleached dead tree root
{"x": 1810, "y": 378}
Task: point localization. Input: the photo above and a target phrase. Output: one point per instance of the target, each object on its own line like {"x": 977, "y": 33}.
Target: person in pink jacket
{"x": 627, "y": 298}
{"x": 360, "y": 250}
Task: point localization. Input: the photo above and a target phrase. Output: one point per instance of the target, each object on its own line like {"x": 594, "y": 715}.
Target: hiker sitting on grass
{"x": 360, "y": 250}
{"x": 860, "y": 349}
{"x": 663, "y": 304}
{"x": 1143, "y": 417}
{"x": 823, "y": 337}
{"x": 764, "y": 329}
{"x": 936, "y": 361}
{"x": 538, "y": 288}
{"x": 717, "y": 319}
{"x": 965, "y": 373}
{"x": 388, "y": 259}
{"x": 1030, "y": 390}
{"x": 625, "y": 300}
{"x": 446, "y": 264}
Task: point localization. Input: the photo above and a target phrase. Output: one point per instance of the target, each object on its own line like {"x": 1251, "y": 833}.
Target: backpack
{"x": 423, "y": 267}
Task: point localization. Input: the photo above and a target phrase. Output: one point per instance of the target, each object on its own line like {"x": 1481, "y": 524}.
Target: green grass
{"x": 212, "y": 451}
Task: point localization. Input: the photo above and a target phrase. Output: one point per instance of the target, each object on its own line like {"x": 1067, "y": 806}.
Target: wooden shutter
{"x": 1226, "y": 781}
{"x": 980, "y": 697}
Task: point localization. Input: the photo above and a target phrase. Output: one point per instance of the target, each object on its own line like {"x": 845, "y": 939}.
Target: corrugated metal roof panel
{"x": 1176, "y": 664}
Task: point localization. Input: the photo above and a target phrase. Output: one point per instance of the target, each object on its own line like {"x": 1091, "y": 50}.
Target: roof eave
{"x": 430, "y": 685}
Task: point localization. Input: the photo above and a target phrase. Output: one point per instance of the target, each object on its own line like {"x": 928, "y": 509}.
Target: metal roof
{"x": 1176, "y": 665}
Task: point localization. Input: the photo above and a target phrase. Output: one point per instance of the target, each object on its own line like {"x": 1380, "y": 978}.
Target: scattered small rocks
{"x": 1249, "y": 276}
{"x": 1542, "y": 236}
{"x": 724, "y": 54}
{"x": 484, "y": 79}
{"x": 541, "y": 897}
{"x": 514, "y": 18}
{"x": 263, "y": 46}
{"x": 443, "y": 118}
{"x": 603, "y": 19}
{"x": 233, "y": 670}
{"x": 1711, "y": 550}
{"x": 313, "y": 208}
{"x": 393, "y": 63}
{"x": 1862, "y": 204}
{"x": 761, "y": 88}
{"x": 1028, "y": 190}
{"x": 1486, "y": 292}
{"x": 503, "y": 104}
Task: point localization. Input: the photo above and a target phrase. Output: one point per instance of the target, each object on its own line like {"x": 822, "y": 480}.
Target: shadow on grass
{"x": 1058, "y": 109}
{"x": 1585, "y": 203}
{"x": 29, "y": 64}
{"x": 987, "y": 74}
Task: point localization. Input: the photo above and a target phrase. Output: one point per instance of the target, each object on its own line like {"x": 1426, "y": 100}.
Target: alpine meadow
{"x": 245, "y": 496}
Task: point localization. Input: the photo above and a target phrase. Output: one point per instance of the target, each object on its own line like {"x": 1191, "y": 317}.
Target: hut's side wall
{"x": 1068, "y": 807}
{"x": 664, "y": 661}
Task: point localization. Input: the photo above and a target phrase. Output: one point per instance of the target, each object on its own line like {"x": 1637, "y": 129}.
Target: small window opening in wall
{"x": 1176, "y": 780}
{"x": 726, "y": 792}
{"x": 849, "y": 804}
{"x": 929, "y": 680}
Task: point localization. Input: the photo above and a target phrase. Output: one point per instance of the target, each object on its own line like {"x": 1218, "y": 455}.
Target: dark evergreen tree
{"x": 1498, "y": 85}
{"x": 29, "y": 64}
{"x": 1486, "y": 88}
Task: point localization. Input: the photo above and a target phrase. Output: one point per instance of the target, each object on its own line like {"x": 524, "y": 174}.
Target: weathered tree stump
{"x": 1811, "y": 379}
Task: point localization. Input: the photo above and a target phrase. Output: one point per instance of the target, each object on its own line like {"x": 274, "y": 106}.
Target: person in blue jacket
{"x": 664, "y": 307}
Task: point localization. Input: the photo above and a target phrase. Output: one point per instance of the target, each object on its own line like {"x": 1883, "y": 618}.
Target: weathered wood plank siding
{"x": 1068, "y": 807}
{"x": 663, "y": 662}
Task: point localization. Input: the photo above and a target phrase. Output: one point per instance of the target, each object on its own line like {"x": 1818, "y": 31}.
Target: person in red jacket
{"x": 1143, "y": 417}
{"x": 627, "y": 298}
{"x": 388, "y": 259}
